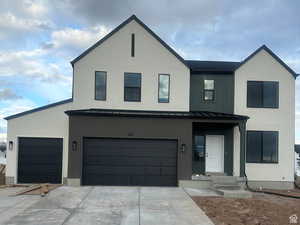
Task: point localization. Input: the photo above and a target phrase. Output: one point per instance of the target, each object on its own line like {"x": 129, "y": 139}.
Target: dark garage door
{"x": 129, "y": 162}
{"x": 40, "y": 160}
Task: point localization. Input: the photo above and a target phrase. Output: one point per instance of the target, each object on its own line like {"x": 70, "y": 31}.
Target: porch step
{"x": 227, "y": 186}
{"x": 234, "y": 193}
{"x": 220, "y": 180}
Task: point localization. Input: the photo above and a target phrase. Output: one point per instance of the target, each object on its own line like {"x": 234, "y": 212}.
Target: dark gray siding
{"x": 224, "y": 93}
{"x": 122, "y": 127}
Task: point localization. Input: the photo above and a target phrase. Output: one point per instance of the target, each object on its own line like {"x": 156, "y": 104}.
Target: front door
{"x": 214, "y": 153}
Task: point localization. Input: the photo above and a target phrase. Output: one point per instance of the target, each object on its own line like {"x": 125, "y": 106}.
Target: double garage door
{"x": 129, "y": 162}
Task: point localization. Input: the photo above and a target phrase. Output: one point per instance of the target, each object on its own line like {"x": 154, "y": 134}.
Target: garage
{"x": 40, "y": 160}
{"x": 129, "y": 162}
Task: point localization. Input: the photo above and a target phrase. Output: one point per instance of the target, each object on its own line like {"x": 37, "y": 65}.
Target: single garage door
{"x": 129, "y": 162}
{"x": 40, "y": 160}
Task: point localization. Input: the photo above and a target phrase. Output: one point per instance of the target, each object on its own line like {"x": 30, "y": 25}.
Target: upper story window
{"x": 100, "y": 85}
{"x": 262, "y": 147}
{"x": 132, "y": 87}
{"x": 209, "y": 90}
{"x": 163, "y": 88}
{"x": 262, "y": 94}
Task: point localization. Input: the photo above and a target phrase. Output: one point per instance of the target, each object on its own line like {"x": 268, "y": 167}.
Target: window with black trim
{"x": 262, "y": 147}
{"x": 132, "y": 87}
{"x": 100, "y": 85}
{"x": 262, "y": 94}
{"x": 163, "y": 88}
{"x": 209, "y": 90}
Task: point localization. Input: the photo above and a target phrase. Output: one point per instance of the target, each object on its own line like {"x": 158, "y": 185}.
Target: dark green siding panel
{"x": 224, "y": 93}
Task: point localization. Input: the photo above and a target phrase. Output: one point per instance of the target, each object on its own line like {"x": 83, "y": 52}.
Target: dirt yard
{"x": 262, "y": 209}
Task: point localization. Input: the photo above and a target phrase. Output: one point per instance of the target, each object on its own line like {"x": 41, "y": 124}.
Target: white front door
{"x": 214, "y": 161}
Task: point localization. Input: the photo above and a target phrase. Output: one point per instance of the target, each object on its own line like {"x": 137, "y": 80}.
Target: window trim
{"x": 263, "y": 107}
{"x": 262, "y": 150}
{"x": 140, "y": 98}
{"x": 164, "y": 74}
{"x": 213, "y": 91}
{"x": 105, "y": 86}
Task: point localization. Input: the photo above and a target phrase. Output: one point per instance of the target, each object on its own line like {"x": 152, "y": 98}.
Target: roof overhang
{"x": 264, "y": 47}
{"x": 205, "y": 115}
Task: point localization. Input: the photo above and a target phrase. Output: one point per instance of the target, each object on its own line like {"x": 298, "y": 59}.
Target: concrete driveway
{"x": 104, "y": 205}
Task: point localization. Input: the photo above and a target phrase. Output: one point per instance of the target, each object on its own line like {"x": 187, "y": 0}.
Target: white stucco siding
{"x": 114, "y": 57}
{"x": 51, "y": 122}
{"x": 263, "y": 67}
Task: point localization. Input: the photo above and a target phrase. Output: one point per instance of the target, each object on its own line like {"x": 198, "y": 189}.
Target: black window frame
{"x": 261, "y": 145}
{"x": 105, "y": 96}
{"x": 164, "y": 74}
{"x": 140, "y": 87}
{"x": 261, "y": 98}
{"x": 213, "y": 91}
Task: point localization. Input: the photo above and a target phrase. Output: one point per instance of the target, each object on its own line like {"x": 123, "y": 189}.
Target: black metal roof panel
{"x": 39, "y": 109}
{"x": 156, "y": 114}
{"x": 198, "y": 66}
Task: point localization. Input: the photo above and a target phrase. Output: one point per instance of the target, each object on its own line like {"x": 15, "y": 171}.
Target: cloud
{"x": 30, "y": 64}
{"x": 10, "y": 25}
{"x": 8, "y": 94}
{"x": 77, "y": 38}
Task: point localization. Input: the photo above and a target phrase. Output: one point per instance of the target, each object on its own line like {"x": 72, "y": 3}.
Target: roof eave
{"x": 38, "y": 109}
{"x": 133, "y": 17}
{"x": 277, "y": 58}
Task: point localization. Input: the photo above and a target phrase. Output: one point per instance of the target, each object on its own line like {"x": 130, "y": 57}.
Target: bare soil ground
{"x": 262, "y": 209}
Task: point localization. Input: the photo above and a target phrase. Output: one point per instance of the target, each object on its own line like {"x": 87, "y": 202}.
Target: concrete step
{"x": 234, "y": 193}
{"x": 224, "y": 180}
{"x": 227, "y": 186}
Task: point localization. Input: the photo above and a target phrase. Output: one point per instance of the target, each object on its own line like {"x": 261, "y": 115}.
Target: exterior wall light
{"x": 10, "y": 145}
{"x": 183, "y": 147}
{"x": 74, "y": 146}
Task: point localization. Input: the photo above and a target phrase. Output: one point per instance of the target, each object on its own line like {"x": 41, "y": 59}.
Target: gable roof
{"x": 219, "y": 67}
{"x": 133, "y": 17}
{"x": 264, "y": 47}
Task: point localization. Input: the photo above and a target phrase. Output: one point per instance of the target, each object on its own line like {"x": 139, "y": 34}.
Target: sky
{"x": 38, "y": 39}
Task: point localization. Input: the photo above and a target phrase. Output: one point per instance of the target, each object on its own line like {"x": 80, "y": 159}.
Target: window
{"x": 163, "y": 88}
{"x": 262, "y": 146}
{"x": 100, "y": 85}
{"x": 209, "y": 90}
{"x": 132, "y": 45}
{"x": 132, "y": 87}
{"x": 262, "y": 94}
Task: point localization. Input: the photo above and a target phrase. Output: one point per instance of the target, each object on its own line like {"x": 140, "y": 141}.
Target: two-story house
{"x": 142, "y": 115}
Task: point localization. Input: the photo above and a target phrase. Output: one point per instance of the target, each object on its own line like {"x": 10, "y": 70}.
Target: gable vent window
{"x": 132, "y": 45}
{"x": 163, "y": 88}
{"x": 132, "y": 87}
{"x": 100, "y": 85}
{"x": 209, "y": 90}
{"x": 262, "y": 94}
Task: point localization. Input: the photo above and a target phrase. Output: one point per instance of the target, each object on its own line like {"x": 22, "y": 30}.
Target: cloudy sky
{"x": 38, "y": 39}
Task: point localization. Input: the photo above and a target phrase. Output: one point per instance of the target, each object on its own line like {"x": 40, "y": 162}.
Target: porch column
{"x": 242, "y": 129}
